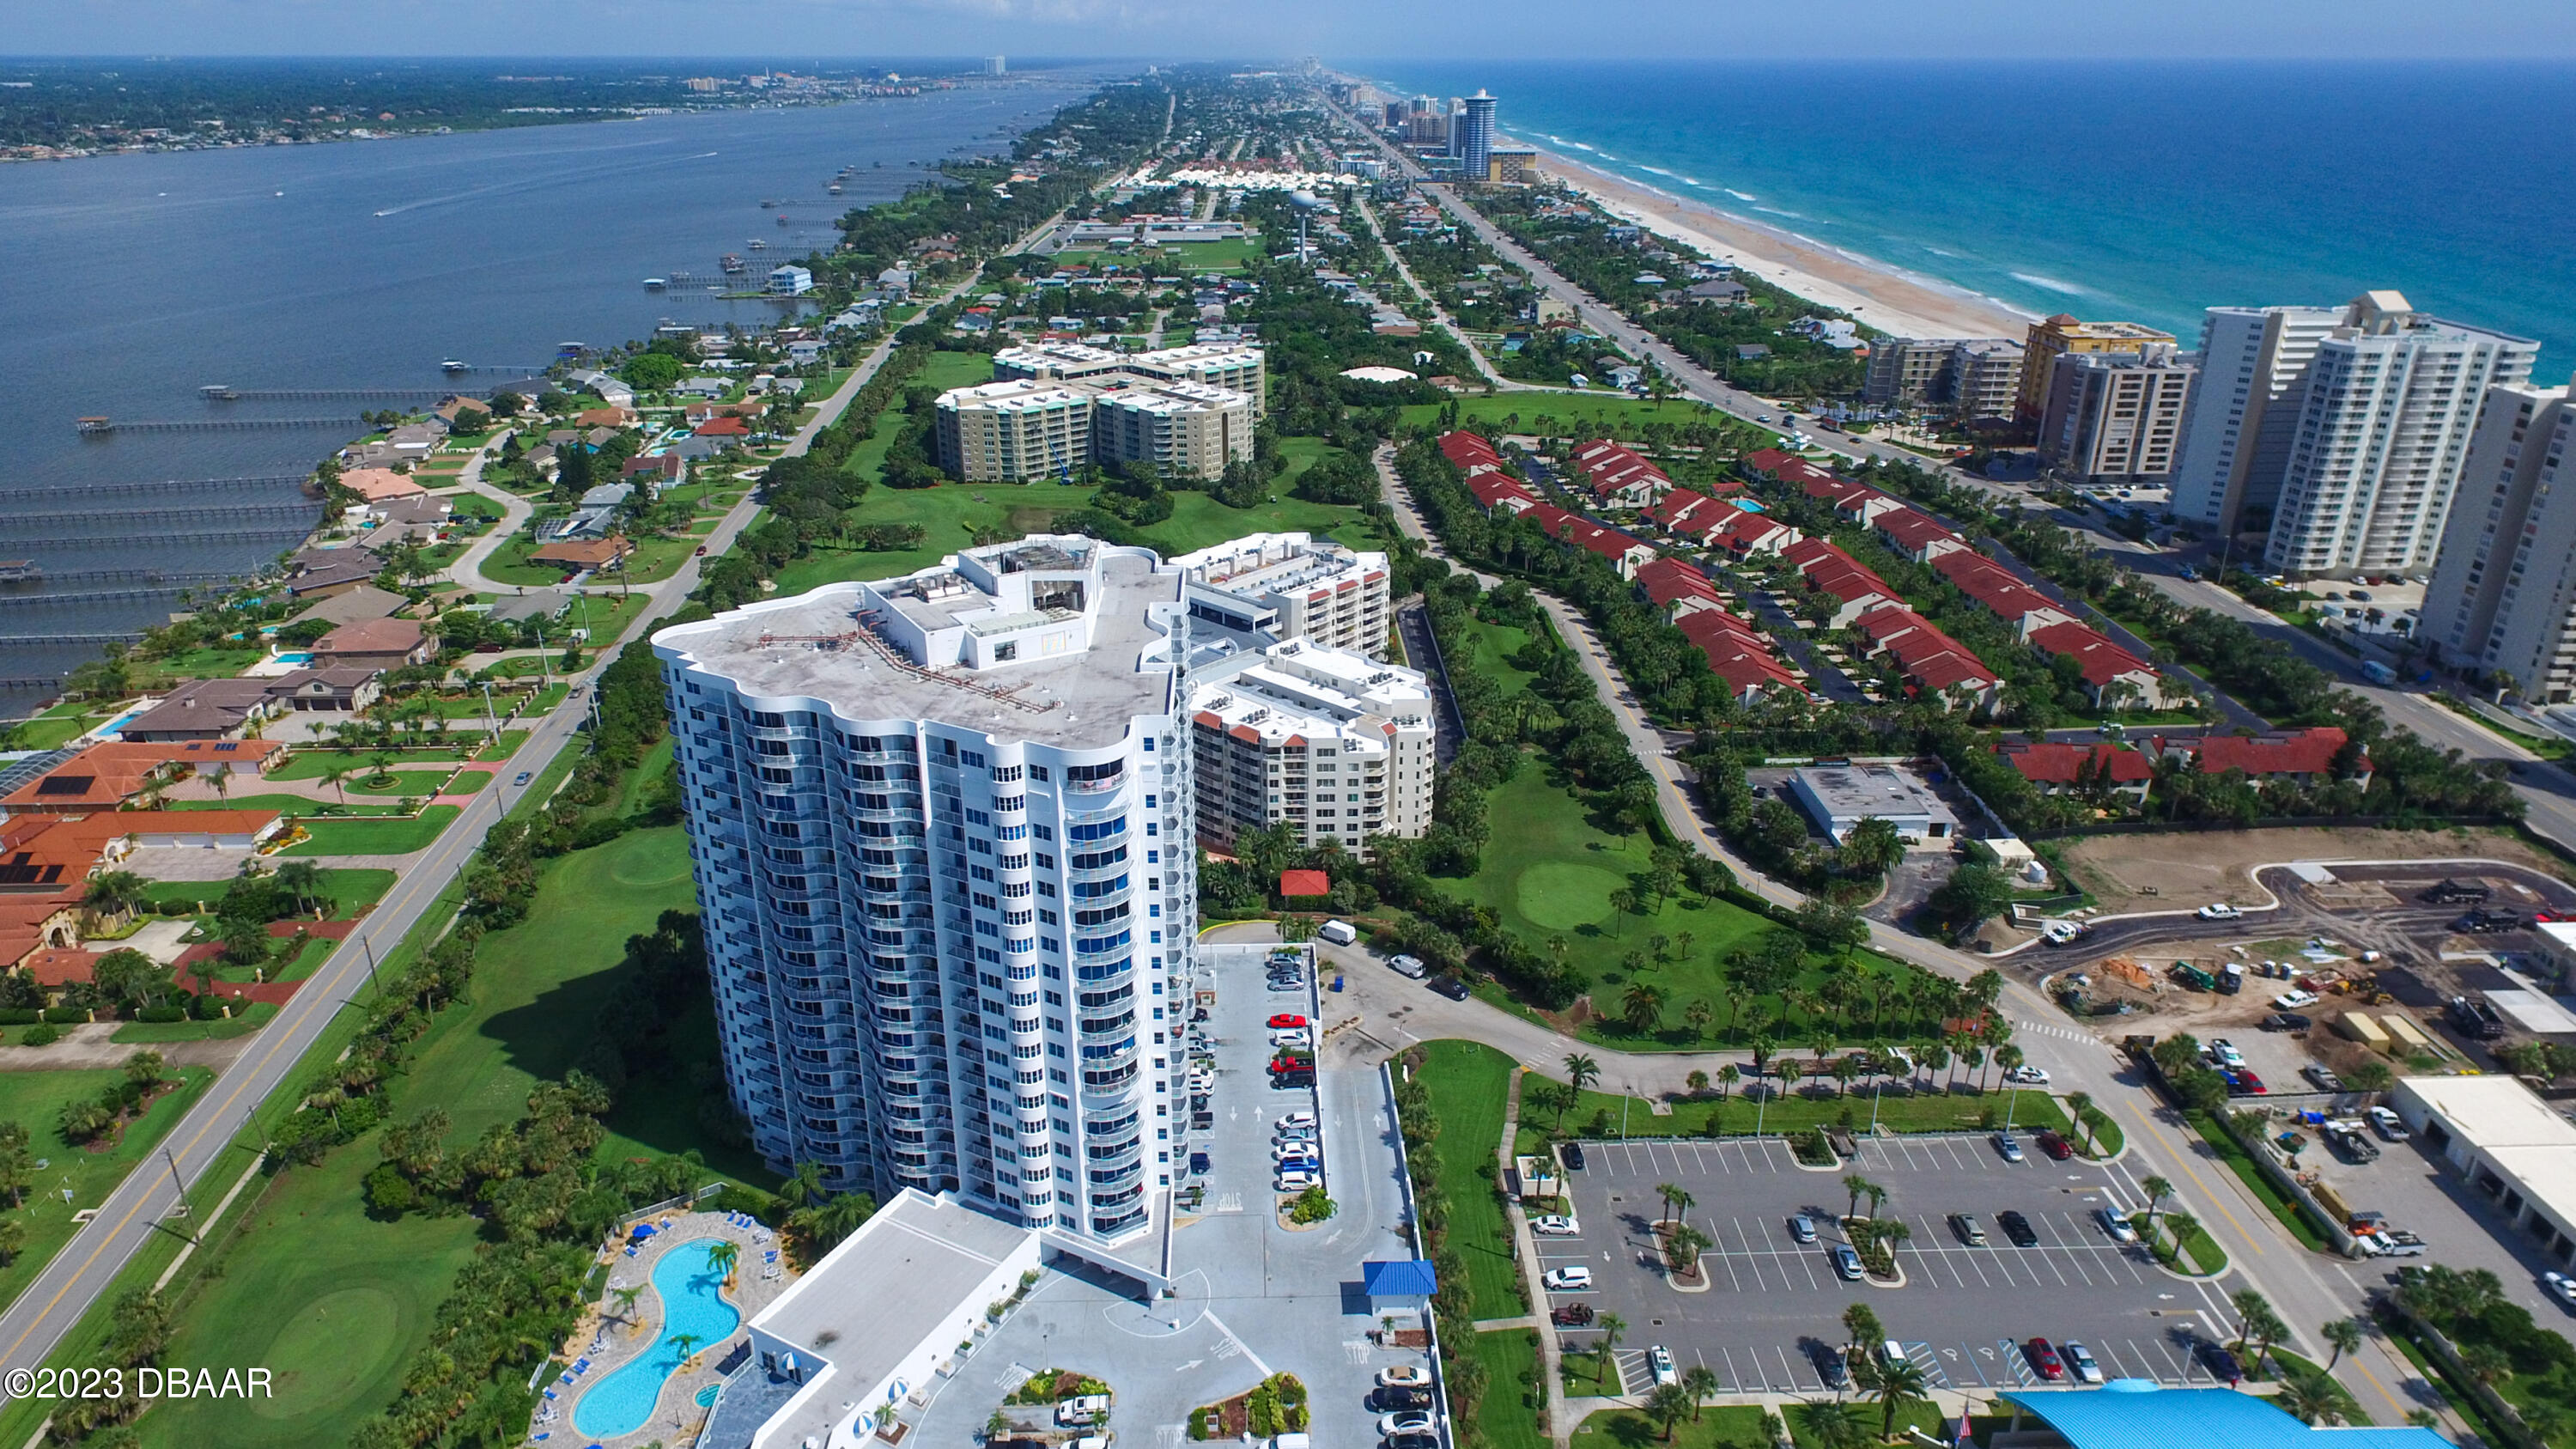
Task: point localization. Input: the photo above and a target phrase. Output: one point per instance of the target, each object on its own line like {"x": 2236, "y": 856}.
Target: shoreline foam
{"x": 1883, "y": 296}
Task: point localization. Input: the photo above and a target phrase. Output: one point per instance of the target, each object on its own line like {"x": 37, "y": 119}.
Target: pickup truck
{"x": 2348, "y": 1138}
{"x": 2476, "y": 1018}
{"x": 2392, "y": 1243}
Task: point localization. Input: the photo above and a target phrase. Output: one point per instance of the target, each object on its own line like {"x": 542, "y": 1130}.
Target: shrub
{"x": 40, "y": 1034}
{"x": 162, "y": 1014}
{"x": 20, "y": 1016}
{"x": 65, "y": 1015}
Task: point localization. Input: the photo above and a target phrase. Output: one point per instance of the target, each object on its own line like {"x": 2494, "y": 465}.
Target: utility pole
{"x": 182, "y": 1185}
{"x": 370, "y": 943}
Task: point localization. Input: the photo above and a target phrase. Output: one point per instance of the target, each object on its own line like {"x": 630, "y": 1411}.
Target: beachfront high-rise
{"x": 2385, "y": 411}
{"x": 942, "y": 833}
{"x": 2054, "y": 336}
{"x": 2503, "y": 596}
{"x": 1969, "y": 377}
{"x": 2237, "y": 436}
{"x": 1473, "y": 141}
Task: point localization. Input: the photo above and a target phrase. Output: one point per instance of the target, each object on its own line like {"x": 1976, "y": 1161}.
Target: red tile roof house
{"x": 1677, "y": 586}
{"x": 375, "y": 643}
{"x": 1684, "y": 512}
{"x": 2300, "y": 755}
{"x": 1625, "y": 553}
{"x": 2006, "y": 597}
{"x": 1737, "y": 656}
{"x": 1298, "y": 885}
{"x": 2104, "y": 664}
{"x": 727, "y": 428}
{"x": 1932, "y": 662}
{"x": 1468, "y": 449}
{"x": 2054, "y": 767}
{"x": 1744, "y": 533}
{"x": 1854, "y": 587}
{"x": 1628, "y": 485}
{"x": 1499, "y": 492}
{"x": 1918, "y": 536}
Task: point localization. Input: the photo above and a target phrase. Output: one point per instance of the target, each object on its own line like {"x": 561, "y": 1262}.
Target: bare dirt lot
{"x": 2192, "y": 868}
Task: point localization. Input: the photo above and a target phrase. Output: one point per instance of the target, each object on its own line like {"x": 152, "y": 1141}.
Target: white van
{"x": 1340, "y": 933}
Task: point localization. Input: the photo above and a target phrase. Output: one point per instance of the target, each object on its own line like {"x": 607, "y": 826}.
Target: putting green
{"x": 333, "y": 1349}
{"x": 649, "y": 858}
{"x": 1559, "y": 895}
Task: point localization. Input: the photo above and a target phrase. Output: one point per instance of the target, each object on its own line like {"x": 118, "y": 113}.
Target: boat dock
{"x": 71, "y": 492}
{"x": 100, "y": 427}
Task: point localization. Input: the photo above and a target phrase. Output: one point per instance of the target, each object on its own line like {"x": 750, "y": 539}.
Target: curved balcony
{"x": 1124, "y": 1021}
{"x": 1109, "y": 1200}
{"x": 1109, "y": 1079}
{"x": 1114, "y": 1176}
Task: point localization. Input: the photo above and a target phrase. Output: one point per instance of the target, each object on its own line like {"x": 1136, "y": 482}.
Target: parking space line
{"x": 2075, "y": 1257}
{"x": 1788, "y": 1374}
{"x": 1751, "y": 1260}
{"x": 1735, "y": 1381}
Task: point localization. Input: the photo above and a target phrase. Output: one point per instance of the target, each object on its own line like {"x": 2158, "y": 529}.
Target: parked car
{"x": 2388, "y": 1124}
{"x": 1832, "y": 1367}
{"x": 1296, "y": 1180}
{"x": 1573, "y": 1156}
{"x": 2116, "y": 1225}
{"x": 1397, "y": 1441}
{"x": 2027, "y": 1076}
{"x": 2005, "y": 1144}
{"x": 1965, "y": 1225}
{"x": 2219, "y": 911}
{"x": 1198, "y": 1164}
{"x": 2249, "y": 1084}
{"x": 1285, "y": 1020}
{"x": 2293, "y": 1000}
{"x": 1572, "y": 1279}
{"x": 1299, "y": 1118}
{"x": 1802, "y": 1228}
{"x": 2079, "y": 1361}
{"x": 1292, "y": 1081}
{"x": 1570, "y": 1315}
{"x": 2561, "y": 1287}
{"x": 2044, "y": 1360}
{"x": 2286, "y": 1021}
{"x": 1412, "y": 1421}
{"x": 1278, "y": 983}
{"x": 1659, "y": 1362}
{"x": 2325, "y": 1080}
{"x": 1297, "y": 1040}
{"x": 2017, "y": 1229}
{"x": 2220, "y": 1363}
{"x": 2226, "y": 1052}
{"x": 1391, "y": 1401}
{"x": 2055, "y": 1146}
{"x": 1553, "y": 1225}
{"x": 1847, "y": 1262}
{"x": 1451, "y": 987}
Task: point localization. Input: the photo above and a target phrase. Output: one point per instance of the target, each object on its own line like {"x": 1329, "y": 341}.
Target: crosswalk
{"x": 2062, "y": 1033}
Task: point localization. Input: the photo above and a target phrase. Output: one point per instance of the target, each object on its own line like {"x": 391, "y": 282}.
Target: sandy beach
{"x": 1884, "y": 297}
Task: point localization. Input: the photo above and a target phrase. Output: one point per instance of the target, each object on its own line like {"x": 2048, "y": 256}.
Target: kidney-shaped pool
{"x": 692, "y": 1304}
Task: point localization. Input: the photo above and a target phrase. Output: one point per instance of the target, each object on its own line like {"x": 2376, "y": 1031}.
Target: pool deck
{"x": 610, "y": 1344}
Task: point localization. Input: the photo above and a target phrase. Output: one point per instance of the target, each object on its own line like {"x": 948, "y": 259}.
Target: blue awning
{"x": 1410, "y": 1279}
{"x": 642, "y": 1231}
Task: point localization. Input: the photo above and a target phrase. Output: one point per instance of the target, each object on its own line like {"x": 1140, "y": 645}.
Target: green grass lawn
{"x": 1470, "y": 1085}
{"x": 53, "y": 729}
{"x": 1586, "y": 414}
{"x": 1194, "y": 257}
{"x": 1917, "y": 1413}
{"x": 312, "y": 762}
{"x": 312, "y": 1264}
{"x": 1601, "y": 1114}
{"x": 35, "y": 1100}
{"x": 296, "y": 805}
{"x": 1507, "y": 1417}
{"x": 1490, "y": 651}
{"x": 374, "y": 837}
{"x": 399, "y": 782}
{"x": 507, "y": 746}
{"x": 350, "y": 890}
{"x": 1733, "y": 1426}
{"x": 151, "y": 1033}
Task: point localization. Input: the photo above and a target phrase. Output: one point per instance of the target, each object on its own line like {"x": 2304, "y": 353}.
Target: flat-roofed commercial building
{"x": 2508, "y": 1145}
{"x": 1293, "y": 586}
{"x": 1337, "y": 747}
{"x": 1838, "y": 797}
{"x": 941, "y": 828}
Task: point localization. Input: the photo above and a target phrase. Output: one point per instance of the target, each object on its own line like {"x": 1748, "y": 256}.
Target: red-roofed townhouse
{"x": 1744, "y": 533}
{"x": 1468, "y": 449}
{"x": 2104, "y": 663}
{"x": 1685, "y": 512}
{"x": 1499, "y": 492}
{"x": 1737, "y": 655}
{"x": 2007, "y": 598}
{"x": 1917, "y": 535}
{"x": 1677, "y": 586}
{"x": 2055, "y": 767}
{"x": 2304, "y": 756}
{"x": 1628, "y": 485}
{"x": 1931, "y": 662}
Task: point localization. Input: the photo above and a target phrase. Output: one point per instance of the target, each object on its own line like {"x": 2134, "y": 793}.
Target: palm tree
{"x": 2250, "y": 1306}
{"x": 2311, "y": 1399}
{"x": 1682, "y": 1249}
{"x": 1700, "y": 1382}
{"x": 1611, "y": 1326}
{"x": 1833, "y": 1425}
{"x": 337, "y": 777}
{"x": 1861, "y": 1322}
{"x": 1667, "y": 1405}
{"x": 2182, "y": 1225}
{"x": 1698, "y": 1015}
{"x": 626, "y": 1302}
{"x": 115, "y": 893}
{"x": 1678, "y": 1201}
{"x": 2158, "y": 1189}
{"x": 804, "y": 1185}
{"x": 2344, "y": 1336}
{"x": 1858, "y": 1186}
{"x": 1642, "y": 1008}
{"x": 1790, "y": 1072}
{"x": 686, "y": 1343}
{"x": 1581, "y": 1070}
{"x": 1727, "y": 1077}
{"x": 2081, "y": 1104}
{"x": 723, "y": 1258}
{"x": 1899, "y": 1384}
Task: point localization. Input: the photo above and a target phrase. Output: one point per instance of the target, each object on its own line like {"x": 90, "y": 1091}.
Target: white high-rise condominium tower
{"x": 942, "y": 832}
{"x": 2503, "y": 596}
{"x": 2250, "y": 359}
{"x": 2383, "y": 426}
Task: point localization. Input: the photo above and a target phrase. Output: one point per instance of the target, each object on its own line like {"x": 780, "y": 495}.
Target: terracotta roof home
{"x": 662, "y": 469}
{"x": 1669, "y": 581}
{"x": 1684, "y": 511}
{"x": 724, "y": 427}
{"x": 1786, "y": 467}
{"x": 1625, "y": 553}
{"x": 1744, "y": 533}
{"x": 1499, "y": 492}
{"x": 2004, "y": 596}
{"x": 380, "y": 485}
{"x": 2055, "y": 766}
{"x": 205, "y": 709}
{"x": 1298, "y": 884}
{"x": 2103, "y": 662}
{"x": 1468, "y": 449}
{"x": 1737, "y": 655}
{"x": 1917, "y": 535}
{"x": 611, "y": 417}
{"x": 573, "y": 555}
{"x": 1616, "y": 474}
{"x": 105, "y": 776}
{"x": 376, "y": 643}
{"x": 2296, "y": 755}
{"x": 1931, "y": 661}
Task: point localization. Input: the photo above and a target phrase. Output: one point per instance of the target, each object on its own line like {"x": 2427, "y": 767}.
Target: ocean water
{"x": 2137, "y": 191}
{"x": 135, "y": 280}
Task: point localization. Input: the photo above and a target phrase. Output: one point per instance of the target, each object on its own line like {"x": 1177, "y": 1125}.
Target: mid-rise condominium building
{"x": 2503, "y": 597}
{"x": 1336, "y": 747}
{"x": 2061, "y": 334}
{"x": 1970, "y": 377}
{"x": 2384, "y": 417}
{"x": 942, "y": 830}
{"x": 2114, "y": 417}
{"x": 1217, "y": 364}
{"x": 1188, "y": 411}
{"x": 1292, "y": 586}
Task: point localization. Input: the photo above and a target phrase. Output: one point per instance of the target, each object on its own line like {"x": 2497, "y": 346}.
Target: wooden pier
{"x": 103, "y": 427}
{"x": 72, "y": 492}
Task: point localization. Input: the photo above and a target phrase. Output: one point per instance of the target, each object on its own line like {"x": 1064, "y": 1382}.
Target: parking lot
{"x": 1962, "y": 1311}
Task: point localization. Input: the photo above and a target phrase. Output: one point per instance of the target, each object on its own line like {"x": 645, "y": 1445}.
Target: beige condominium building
{"x": 1052, "y": 407}
{"x": 2115, "y": 417}
{"x": 1239, "y": 368}
{"x": 2055, "y": 336}
{"x": 1335, "y": 746}
{"x": 2503, "y": 596}
{"x": 1292, "y": 586}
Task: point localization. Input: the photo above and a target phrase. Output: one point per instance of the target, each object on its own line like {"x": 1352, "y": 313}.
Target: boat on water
{"x": 569, "y": 350}
{"x": 21, "y": 571}
{"x": 782, "y": 218}
{"x": 766, "y": 203}
{"x": 834, "y": 188}
{"x": 758, "y": 245}
{"x": 453, "y": 364}
{"x": 732, "y": 263}
{"x": 655, "y": 284}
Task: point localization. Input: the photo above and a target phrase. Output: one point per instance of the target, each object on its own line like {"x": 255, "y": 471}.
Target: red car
{"x": 2055, "y": 1146}
{"x": 1285, "y": 1020}
{"x": 2044, "y": 1358}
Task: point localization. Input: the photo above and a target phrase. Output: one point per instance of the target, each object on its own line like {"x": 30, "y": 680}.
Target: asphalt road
{"x": 204, "y": 1143}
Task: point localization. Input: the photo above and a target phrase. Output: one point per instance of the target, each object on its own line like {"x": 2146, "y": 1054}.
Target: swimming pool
{"x": 296, "y": 656}
{"x": 692, "y": 1303}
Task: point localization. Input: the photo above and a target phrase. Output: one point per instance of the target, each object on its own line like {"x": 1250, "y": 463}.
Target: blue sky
{"x": 1335, "y": 29}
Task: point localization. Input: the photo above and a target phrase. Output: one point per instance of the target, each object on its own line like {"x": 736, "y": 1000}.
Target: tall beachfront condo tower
{"x": 2115, "y": 417}
{"x": 942, "y": 831}
{"x": 1474, "y": 144}
{"x": 2503, "y": 596}
{"x": 2055, "y": 336}
{"x": 2236, "y": 435}
{"x": 2383, "y": 428}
